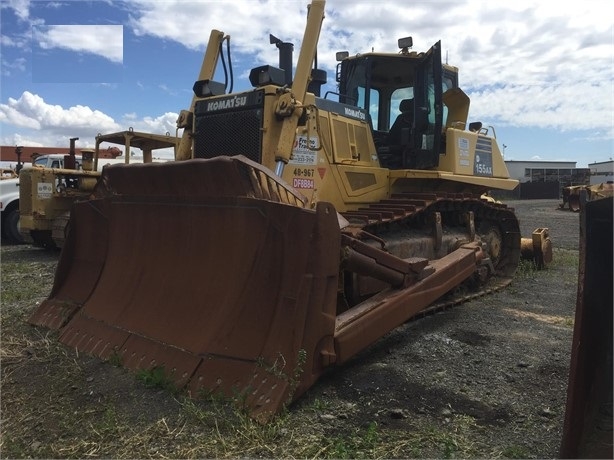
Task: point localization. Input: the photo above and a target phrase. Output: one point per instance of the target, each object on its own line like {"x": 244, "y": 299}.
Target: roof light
{"x": 267, "y": 75}
{"x": 406, "y": 42}
{"x": 206, "y": 88}
{"x": 341, "y": 55}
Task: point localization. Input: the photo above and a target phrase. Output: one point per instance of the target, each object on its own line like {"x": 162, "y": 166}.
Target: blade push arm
{"x": 289, "y": 103}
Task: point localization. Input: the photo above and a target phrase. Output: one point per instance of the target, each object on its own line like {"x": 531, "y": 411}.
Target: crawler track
{"x": 405, "y": 215}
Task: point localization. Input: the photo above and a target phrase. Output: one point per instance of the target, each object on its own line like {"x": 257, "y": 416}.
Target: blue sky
{"x": 540, "y": 72}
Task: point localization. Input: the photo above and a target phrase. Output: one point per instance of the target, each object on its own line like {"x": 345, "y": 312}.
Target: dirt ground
{"x": 485, "y": 379}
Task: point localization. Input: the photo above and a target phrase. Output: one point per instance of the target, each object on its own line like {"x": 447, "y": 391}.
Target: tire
{"x": 42, "y": 239}
{"x": 11, "y": 227}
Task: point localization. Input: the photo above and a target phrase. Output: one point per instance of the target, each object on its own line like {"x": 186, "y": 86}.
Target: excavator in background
{"x": 293, "y": 230}
{"x": 47, "y": 191}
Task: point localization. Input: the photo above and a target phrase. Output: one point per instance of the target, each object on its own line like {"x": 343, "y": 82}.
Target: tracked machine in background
{"x": 47, "y": 191}
{"x": 293, "y": 231}
{"x": 576, "y": 196}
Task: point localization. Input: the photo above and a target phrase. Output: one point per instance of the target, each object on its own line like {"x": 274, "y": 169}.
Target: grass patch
{"x": 564, "y": 264}
{"x": 515, "y": 452}
{"x": 156, "y": 377}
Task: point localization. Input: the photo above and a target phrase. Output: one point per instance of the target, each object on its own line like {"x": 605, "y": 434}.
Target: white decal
{"x": 303, "y": 155}
{"x": 44, "y": 190}
{"x": 483, "y": 170}
{"x": 465, "y": 163}
{"x": 237, "y": 101}
{"x": 463, "y": 143}
{"x": 355, "y": 113}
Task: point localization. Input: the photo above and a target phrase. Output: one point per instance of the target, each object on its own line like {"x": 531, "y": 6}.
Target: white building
{"x": 565, "y": 172}
{"x": 602, "y": 172}
{"x": 545, "y": 179}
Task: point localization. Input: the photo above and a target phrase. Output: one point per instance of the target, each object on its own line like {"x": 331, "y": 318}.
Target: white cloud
{"x": 19, "y": 139}
{"x": 103, "y": 40}
{"x": 166, "y": 89}
{"x": 165, "y": 123}
{"x": 526, "y": 63}
{"x": 523, "y": 63}
{"x": 20, "y": 7}
{"x": 38, "y": 122}
{"x": 31, "y": 111}
{"x": 18, "y": 65}
{"x": 7, "y": 41}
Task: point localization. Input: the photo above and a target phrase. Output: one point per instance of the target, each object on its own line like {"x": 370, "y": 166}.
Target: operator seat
{"x": 399, "y": 136}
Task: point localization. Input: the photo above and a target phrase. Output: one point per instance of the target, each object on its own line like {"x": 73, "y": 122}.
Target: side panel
{"x": 334, "y": 158}
{"x": 360, "y": 184}
{"x": 473, "y": 154}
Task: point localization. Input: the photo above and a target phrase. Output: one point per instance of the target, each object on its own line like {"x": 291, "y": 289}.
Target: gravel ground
{"x": 485, "y": 379}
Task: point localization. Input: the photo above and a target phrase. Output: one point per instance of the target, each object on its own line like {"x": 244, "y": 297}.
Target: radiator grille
{"x": 229, "y": 133}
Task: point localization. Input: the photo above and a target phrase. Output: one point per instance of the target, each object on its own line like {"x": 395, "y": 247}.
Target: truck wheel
{"x": 11, "y": 224}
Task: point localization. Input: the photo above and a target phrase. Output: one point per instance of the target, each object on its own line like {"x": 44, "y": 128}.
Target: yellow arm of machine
{"x": 207, "y": 70}
{"x": 289, "y": 104}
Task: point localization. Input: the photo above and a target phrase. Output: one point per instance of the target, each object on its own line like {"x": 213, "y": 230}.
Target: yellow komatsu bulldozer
{"x": 293, "y": 230}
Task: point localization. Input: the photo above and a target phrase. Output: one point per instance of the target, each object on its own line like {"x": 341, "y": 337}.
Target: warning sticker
{"x": 44, "y": 190}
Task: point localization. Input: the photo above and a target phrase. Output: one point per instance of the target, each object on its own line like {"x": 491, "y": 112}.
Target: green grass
{"x": 564, "y": 263}
{"x": 360, "y": 444}
{"x": 156, "y": 377}
{"x": 515, "y": 452}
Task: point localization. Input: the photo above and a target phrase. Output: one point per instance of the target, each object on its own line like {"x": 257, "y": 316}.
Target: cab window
{"x": 395, "y": 101}
{"x": 373, "y": 108}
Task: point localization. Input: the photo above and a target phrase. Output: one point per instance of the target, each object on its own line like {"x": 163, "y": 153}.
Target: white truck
{"x": 9, "y": 208}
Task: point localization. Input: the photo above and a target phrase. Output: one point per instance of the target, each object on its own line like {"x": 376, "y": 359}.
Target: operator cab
{"x": 402, "y": 94}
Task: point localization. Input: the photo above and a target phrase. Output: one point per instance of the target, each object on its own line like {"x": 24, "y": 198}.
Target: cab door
{"x": 428, "y": 107}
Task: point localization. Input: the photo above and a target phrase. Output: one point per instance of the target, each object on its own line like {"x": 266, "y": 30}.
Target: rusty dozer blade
{"x": 214, "y": 272}
{"x": 224, "y": 293}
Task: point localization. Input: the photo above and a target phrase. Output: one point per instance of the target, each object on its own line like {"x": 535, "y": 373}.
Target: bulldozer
{"x": 293, "y": 230}
{"x": 576, "y": 196}
{"x": 47, "y": 190}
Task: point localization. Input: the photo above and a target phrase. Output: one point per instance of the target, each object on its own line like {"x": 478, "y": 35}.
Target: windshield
{"x": 41, "y": 161}
{"x": 378, "y": 84}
